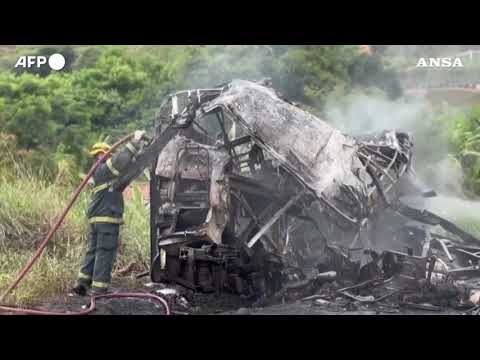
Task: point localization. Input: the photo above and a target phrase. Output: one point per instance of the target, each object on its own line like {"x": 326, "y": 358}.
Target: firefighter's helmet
{"x": 99, "y": 148}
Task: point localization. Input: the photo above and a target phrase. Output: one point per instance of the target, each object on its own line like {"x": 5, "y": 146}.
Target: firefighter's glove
{"x": 138, "y": 135}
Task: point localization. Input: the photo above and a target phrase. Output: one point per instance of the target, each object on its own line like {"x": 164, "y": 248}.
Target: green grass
{"x": 27, "y": 209}
{"x": 136, "y": 232}
{"x": 50, "y": 276}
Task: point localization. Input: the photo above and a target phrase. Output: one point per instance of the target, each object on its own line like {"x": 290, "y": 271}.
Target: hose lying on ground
{"x": 26, "y": 268}
{"x": 91, "y": 307}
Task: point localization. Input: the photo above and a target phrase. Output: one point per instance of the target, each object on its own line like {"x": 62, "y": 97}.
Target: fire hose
{"x": 92, "y": 305}
{"x": 26, "y": 268}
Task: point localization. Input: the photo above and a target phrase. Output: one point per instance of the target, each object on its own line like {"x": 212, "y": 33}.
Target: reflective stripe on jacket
{"x": 106, "y": 203}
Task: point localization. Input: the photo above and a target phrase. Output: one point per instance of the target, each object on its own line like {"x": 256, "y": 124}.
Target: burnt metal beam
{"x": 429, "y": 218}
{"x": 368, "y": 148}
{"x": 147, "y": 157}
{"x": 464, "y": 271}
{"x": 254, "y": 218}
{"x": 445, "y": 249}
{"x": 257, "y": 188}
{"x": 378, "y": 166}
{"x": 426, "y": 244}
{"x": 275, "y": 217}
{"x": 251, "y": 225}
{"x": 247, "y": 185}
{"x": 377, "y": 183}
{"x": 338, "y": 211}
{"x": 238, "y": 141}
{"x": 197, "y": 196}
{"x": 467, "y": 253}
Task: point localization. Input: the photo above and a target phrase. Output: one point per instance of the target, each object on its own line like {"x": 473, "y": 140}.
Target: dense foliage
{"x": 465, "y": 137}
{"x": 106, "y": 90}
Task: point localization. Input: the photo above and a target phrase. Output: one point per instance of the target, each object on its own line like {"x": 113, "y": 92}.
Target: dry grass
{"x": 28, "y": 206}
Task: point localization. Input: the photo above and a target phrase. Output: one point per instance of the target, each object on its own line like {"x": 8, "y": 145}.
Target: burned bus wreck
{"x": 250, "y": 193}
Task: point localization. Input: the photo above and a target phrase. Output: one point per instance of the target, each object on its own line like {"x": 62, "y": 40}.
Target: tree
{"x": 106, "y": 90}
{"x": 368, "y": 71}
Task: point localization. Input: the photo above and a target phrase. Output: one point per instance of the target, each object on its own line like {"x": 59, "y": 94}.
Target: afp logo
{"x": 55, "y": 61}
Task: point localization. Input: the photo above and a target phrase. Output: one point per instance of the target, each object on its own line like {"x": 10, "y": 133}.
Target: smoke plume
{"x": 434, "y": 166}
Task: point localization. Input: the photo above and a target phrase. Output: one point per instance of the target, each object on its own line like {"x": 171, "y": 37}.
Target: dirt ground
{"x": 185, "y": 302}
{"x": 203, "y": 305}
{"x": 311, "y": 308}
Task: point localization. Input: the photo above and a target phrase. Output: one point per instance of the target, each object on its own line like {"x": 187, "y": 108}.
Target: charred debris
{"x": 252, "y": 195}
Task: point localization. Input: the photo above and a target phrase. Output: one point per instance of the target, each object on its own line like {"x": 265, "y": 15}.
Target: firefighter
{"x": 104, "y": 215}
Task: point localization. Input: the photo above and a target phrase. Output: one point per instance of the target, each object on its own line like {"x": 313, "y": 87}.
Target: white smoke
{"x": 434, "y": 166}
{"x": 362, "y": 113}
